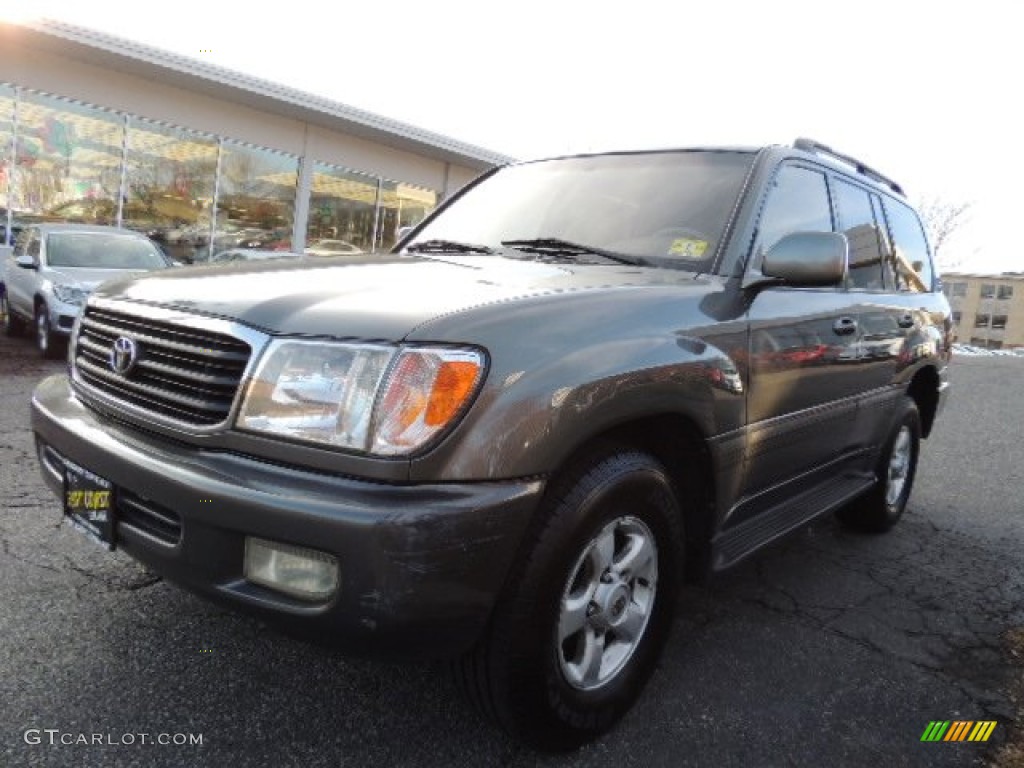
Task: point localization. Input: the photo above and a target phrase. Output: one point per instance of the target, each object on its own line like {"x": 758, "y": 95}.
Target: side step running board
{"x": 734, "y": 544}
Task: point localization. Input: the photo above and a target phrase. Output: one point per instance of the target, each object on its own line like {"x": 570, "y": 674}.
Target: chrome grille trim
{"x": 191, "y": 370}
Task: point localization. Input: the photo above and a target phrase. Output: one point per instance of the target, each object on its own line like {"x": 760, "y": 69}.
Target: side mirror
{"x": 808, "y": 259}
{"x": 25, "y": 261}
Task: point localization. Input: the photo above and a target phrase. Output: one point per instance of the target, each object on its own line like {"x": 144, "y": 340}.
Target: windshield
{"x": 663, "y": 208}
{"x": 100, "y": 250}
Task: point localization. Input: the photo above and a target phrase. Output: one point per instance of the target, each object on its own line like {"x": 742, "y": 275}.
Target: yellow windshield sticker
{"x": 688, "y": 248}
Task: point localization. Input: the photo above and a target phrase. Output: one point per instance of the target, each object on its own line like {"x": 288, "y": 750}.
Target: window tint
{"x": 981, "y": 320}
{"x": 33, "y": 246}
{"x": 668, "y": 207}
{"x": 857, "y": 222}
{"x": 911, "y": 261}
{"x": 102, "y": 251}
{"x": 797, "y": 202}
{"x": 1005, "y": 292}
{"x": 999, "y": 322}
{"x": 21, "y": 242}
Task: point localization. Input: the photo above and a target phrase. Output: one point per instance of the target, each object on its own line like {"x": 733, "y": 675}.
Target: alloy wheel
{"x": 607, "y": 602}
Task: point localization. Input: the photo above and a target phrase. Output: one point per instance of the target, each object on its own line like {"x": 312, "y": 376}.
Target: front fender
{"x": 529, "y": 420}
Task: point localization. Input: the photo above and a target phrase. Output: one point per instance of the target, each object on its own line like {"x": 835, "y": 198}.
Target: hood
{"x": 376, "y": 297}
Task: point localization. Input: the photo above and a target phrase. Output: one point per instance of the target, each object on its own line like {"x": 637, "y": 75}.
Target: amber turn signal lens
{"x": 426, "y": 389}
{"x": 452, "y": 386}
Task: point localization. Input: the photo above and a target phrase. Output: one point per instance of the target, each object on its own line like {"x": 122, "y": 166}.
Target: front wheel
{"x": 47, "y": 342}
{"x": 581, "y": 625}
{"x": 882, "y": 507}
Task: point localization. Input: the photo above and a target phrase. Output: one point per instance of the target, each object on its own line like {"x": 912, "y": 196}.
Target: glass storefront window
{"x": 256, "y": 198}
{"x": 342, "y": 211}
{"x": 61, "y": 160}
{"x": 169, "y": 187}
{"x": 402, "y": 206}
{"x": 67, "y": 161}
{"x": 6, "y": 138}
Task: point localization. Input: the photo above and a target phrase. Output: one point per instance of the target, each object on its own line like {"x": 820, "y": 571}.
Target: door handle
{"x": 906, "y": 321}
{"x": 844, "y": 326}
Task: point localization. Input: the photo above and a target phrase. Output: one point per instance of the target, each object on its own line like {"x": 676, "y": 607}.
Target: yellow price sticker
{"x": 688, "y": 248}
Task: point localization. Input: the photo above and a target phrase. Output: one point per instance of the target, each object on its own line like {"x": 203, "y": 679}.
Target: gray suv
{"x": 507, "y": 443}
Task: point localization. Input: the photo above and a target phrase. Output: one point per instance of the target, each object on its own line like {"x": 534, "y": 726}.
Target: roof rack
{"x": 810, "y": 145}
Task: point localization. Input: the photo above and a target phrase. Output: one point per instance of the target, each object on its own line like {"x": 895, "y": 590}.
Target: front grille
{"x": 181, "y": 372}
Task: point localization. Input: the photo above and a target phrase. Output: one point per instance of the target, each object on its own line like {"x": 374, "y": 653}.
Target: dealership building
{"x": 98, "y": 129}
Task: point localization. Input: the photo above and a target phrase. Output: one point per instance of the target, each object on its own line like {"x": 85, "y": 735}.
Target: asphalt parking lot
{"x": 832, "y": 649}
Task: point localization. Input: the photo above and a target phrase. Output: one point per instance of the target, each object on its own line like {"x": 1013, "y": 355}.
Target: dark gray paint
{"x": 573, "y": 352}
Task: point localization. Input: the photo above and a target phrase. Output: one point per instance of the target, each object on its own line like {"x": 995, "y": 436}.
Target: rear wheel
{"x": 13, "y": 325}
{"x": 881, "y": 508}
{"x": 583, "y": 621}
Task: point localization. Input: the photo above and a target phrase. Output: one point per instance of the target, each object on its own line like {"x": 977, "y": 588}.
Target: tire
{"x": 13, "y": 325}
{"x": 47, "y": 342}
{"x": 881, "y": 508}
{"x": 584, "y": 618}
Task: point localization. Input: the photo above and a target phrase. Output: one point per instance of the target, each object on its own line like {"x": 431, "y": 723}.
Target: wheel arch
{"x": 924, "y": 391}
{"x": 679, "y": 445}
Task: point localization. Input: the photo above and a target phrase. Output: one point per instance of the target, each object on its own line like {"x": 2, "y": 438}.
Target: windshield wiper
{"x": 447, "y": 246}
{"x": 557, "y": 247}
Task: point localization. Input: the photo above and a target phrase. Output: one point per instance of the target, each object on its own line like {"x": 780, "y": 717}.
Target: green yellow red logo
{"x": 958, "y": 730}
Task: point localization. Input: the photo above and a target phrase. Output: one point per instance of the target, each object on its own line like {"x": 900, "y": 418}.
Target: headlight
{"x": 372, "y": 398}
{"x": 70, "y": 294}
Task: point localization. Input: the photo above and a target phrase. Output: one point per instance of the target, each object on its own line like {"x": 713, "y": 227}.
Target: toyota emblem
{"x": 123, "y": 355}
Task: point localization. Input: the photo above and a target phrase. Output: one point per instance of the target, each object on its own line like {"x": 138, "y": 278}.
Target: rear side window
{"x": 911, "y": 263}
{"x": 22, "y": 242}
{"x": 797, "y": 202}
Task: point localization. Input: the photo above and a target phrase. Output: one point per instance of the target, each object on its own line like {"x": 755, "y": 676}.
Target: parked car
{"x": 15, "y": 227}
{"x": 251, "y": 254}
{"x": 332, "y": 248}
{"x": 53, "y": 268}
{"x": 508, "y": 443}
{"x": 272, "y": 240}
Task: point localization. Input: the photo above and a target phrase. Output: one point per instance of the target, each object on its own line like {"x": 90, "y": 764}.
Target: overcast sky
{"x": 927, "y": 93}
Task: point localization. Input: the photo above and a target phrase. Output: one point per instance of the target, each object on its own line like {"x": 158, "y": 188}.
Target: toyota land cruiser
{"x": 508, "y": 441}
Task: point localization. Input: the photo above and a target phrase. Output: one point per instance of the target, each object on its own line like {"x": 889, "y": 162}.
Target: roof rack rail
{"x": 810, "y": 145}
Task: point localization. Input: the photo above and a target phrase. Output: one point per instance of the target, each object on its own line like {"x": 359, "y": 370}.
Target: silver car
{"x": 333, "y": 248}
{"x": 53, "y": 269}
{"x": 250, "y": 254}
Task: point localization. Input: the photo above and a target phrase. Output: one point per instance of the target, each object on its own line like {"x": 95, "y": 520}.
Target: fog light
{"x": 303, "y": 573}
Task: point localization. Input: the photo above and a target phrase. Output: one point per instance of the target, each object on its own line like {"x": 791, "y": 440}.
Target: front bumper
{"x": 420, "y": 565}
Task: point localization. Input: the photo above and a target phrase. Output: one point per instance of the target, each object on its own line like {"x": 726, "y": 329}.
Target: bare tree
{"x": 942, "y": 219}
